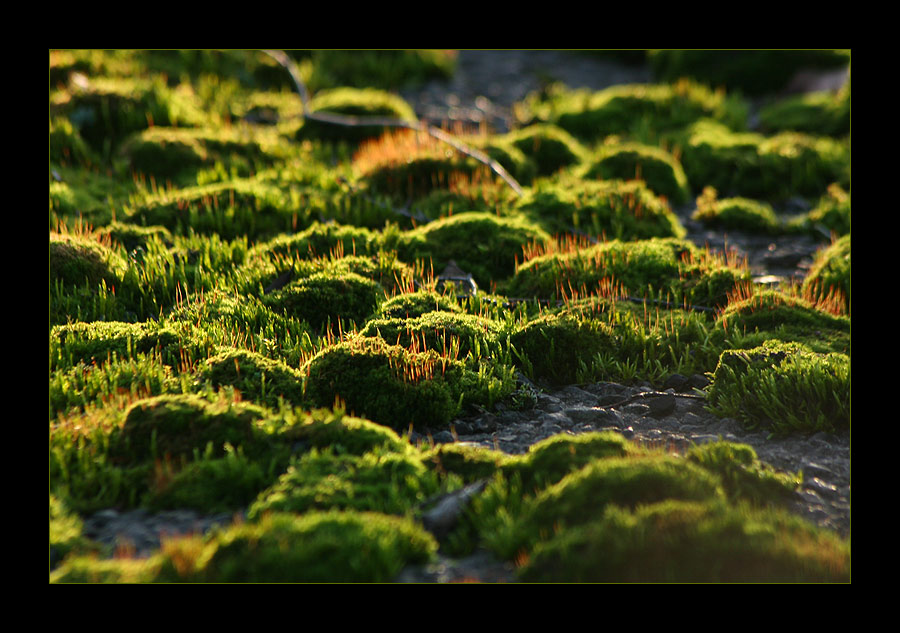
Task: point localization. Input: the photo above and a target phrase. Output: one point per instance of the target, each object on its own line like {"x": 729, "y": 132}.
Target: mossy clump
{"x": 259, "y": 379}
{"x": 583, "y": 496}
{"x": 66, "y": 533}
{"x": 818, "y": 113}
{"x": 397, "y": 387}
{"x": 409, "y": 305}
{"x": 321, "y": 239}
{"x": 830, "y": 215}
{"x": 341, "y": 433}
{"x": 615, "y": 209}
{"x": 353, "y": 102}
{"x": 759, "y": 167}
{"x": 448, "y": 333}
{"x": 555, "y": 347}
{"x": 661, "y": 172}
{"x": 96, "y": 342}
{"x": 351, "y": 547}
{"x": 325, "y": 297}
{"x": 469, "y": 462}
{"x": 690, "y": 541}
{"x": 76, "y": 260}
{"x": 550, "y": 460}
{"x": 134, "y": 236}
{"x": 740, "y": 214}
{"x": 483, "y": 245}
{"x": 830, "y": 273}
{"x": 550, "y": 147}
{"x": 376, "y": 481}
{"x": 743, "y": 476}
{"x": 66, "y": 145}
{"x": 642, "y": 112}
{"x": 661, "y": 268}
{"x": 772, "y": 314}
{"x": 783, "y": 387}
{"x": 211, "y": 485}
{"x": 179, "y": 425}
{"x": 753, "y": 72}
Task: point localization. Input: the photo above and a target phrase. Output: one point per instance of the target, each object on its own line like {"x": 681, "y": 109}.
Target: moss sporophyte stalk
{"x": 277, "y": 291}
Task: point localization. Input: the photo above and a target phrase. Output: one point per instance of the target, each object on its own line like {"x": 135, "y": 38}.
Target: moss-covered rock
{"x": 76, "y": 260}
{"x": 660, "y": 170}
{"x": 410, "y": 305}
{"x": 341, "y": 433}
{"x": 550, "y": 147}
{"x": 616, "y": 209}
{"x": 784, "y": 387}
{"x": 323, "y": 297}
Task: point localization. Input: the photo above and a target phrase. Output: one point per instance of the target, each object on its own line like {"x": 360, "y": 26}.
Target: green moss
{"x": 584, "y": 495}
{"x": 767, "y": 168}
{"x": 469, "y": 462}
{"x": 640, "y": 111}
{"x": 830, "y": 215}
{"x": 444, "y": 332}
{"x": 783, "y": 387}
{"x": 818, "y": 113}
{"x": 364, "y": 102}
{"x": 66, "y": 145}
{"x": 95, "y": 342}
{"x": 258, "y": 379}
{"x": 660, "y": 170}
{"x": 555, "y": 347}
{"x": 181, "y": 424}
{"x": 616, "y": 209}
{"x": 322, "y": 297}
{"x": 740, "y": 214}
{"x": 550, "y": 147}
{"x": 133, "y": 236}
{"x": 669, "y": 269}
{"x": 684, "y": 541}
{"x": 65, "y": 533}
{"x": 341, "y": 433}
{"x": 317, "y": 547}
{"x": 830, "y": 273}
{"x": 383, "y": 69}
{"x": 549, "y": 460}
{"x": 214, "y": 485}
{"x": 743, "y": 476}
{"x": 391, "y": 483}
{"x": 78, "y": 260}
{"x": 397, "y": 387}
{"x": 410, "y": 305}
{"x": 321, "y": 239}
{"x": 771, "y": 314}
{"x": 483, "y": 245}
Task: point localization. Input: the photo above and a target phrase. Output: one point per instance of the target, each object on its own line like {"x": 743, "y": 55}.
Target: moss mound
{"x": 784, "y": 387}
{"x": 391, "y": 483}
{"x": 683, "y": 541}
{"x": 410, "y": 305}
{"x": 259, "y": 379}
{"x": 341, "y": 433}
{"x": 642, "y": 112}
{"x": 660, "y": 170}
{"x": 324, "y": 297}
{"x": 320, "y": 239}
{"x": 548, "y": 146}
{"x": 79, "y": 260}
{"x": 829, "y": 276}
{"x": 181, "y": 424}
{"x": 96, "y": 342}
{"x": 353, "y": 102}
{"x": 740, "y": 214}
{"x": 617, "y": 209}
{"x": 448, "y": 333}
{"x": 482, "y": 244}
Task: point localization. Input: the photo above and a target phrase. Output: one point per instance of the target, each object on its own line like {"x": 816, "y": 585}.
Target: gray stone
{"x": 636, "y": 408}
{"x": 661, "y": 406}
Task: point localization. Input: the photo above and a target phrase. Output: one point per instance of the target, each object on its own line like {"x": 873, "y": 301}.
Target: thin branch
{"x": 353, "y": 121}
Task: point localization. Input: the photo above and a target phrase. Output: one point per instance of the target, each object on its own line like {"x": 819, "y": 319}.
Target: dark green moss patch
{"x": 365, "y": 102}
{"x": 96, "y": 342}
{"x": 78, "y": 260}
{"x": 616, "y": 209}
{"x": 341, "y": 433}
{"x": 743, "y": 475}
{"x": 484, "y": 245}
{"x": 683, "y": 541}
{"x": 551, "y": 148}
{"x": 410, "y": 305}
{"x": 784, "y": 387}
{"x": 740, "y": 214}
{"x": 829, "y": 276}
{"x": 181, "y": 424}
{"x": 448, "y": 333}
{"x": 257, "y": 378}
{"x": 323, "y": 297}
{"x": 661, "y": 172}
